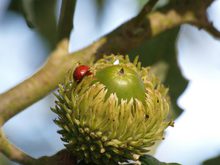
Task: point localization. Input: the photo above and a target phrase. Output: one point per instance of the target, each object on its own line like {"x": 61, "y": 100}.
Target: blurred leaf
{"x": 145, "y": 160}
{"x": 100, "y": 4}
{"x": 141, "y": 3}
{"x": 84, "y": 163}
{"x": 15, "y": 6}
{"x": 149, "y": 160}
{"x": 163, "y": 48}
{"x": 160, "y": 69}
{"x": 162, "y": 3}
{"x": 41, "y": 15}
{"x": 159, "y": 4}
{"x": 65, "y": 25}
{"x": 100, "y": 7}
{"x": 212, "y": 161}
{"x": 29, "y": 13}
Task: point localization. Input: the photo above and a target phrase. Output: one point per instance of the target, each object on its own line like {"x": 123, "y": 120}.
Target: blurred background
{"x": 196, "y": 135}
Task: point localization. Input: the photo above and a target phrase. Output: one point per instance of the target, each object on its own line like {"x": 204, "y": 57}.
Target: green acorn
{"x": 113, "y": 114}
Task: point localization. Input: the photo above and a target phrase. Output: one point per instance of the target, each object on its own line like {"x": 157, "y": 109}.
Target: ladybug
{"x": 80, "y": 72}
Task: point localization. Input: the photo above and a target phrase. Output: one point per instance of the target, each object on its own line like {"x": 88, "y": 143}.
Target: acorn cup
{"x": 113, "y": 112}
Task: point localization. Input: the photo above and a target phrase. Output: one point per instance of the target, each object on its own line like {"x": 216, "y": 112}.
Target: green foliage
{"x": 159, "y": 4}
{"x": 150, "y": 160}
{"x": 162, "y": 48}
{"x": 39, "y": 15}
{"x": 145, "y": 160}
{"x": 100, "y": 5}
{"x": 84, "y": 163}
{"x": 212, "y": 161}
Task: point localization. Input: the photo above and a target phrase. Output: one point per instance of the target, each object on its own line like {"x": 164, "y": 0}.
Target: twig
{"x": 134, "y": 32}
{"x": 63, "y": 157}
{"x": 14, "y": 153}
{"x": 212, "y": 30}
{"x": 148, "y": 7}
{"x": 66, "y": 19}
{"x": 45, "y": 80}
{"x": 121, "y": 40}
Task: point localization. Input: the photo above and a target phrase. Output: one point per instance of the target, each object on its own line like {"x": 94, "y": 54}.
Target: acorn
{"x": 114, "y": 114}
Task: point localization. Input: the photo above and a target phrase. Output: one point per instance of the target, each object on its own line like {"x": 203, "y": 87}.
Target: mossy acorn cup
{"x": 113, "y": 113}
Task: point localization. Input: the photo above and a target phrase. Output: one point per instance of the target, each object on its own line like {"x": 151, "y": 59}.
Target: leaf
{"x": 84, "y": 163}
{"x": 162, "y": 48}
{"x": 41, "y": 16}
{"x": 212, "y": 161}
{"x": 100, "y": 7}
{"x": 150, "y": 160}
{"x": 100, "y": 4}
{"x": 159, "y": 4}
{"x": 65, "y": 25}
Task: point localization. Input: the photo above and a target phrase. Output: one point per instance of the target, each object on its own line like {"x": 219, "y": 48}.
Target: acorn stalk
{"x": 114, "y": 114}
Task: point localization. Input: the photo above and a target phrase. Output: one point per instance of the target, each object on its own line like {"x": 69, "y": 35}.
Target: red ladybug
{"x": 80, "y": 72}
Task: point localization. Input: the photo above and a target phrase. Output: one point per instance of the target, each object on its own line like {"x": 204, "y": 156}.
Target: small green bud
{"x": 114, "y": 114}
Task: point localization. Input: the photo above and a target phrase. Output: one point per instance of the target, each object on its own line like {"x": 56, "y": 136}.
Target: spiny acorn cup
{"x": 113, "y": 114}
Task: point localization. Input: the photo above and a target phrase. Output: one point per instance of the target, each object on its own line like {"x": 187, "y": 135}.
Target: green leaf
{"x": 212, "y": 161}
{"x": 159, "y": 4}
{"x": 162, "y": 49}
{"x": 150, "y": 160}
{"x": 145, "y": 160}
{"x": 84, "y": 163}
{"x": 41, "y": 16}
{"x": 100, "y": 7}
{"x": 100, "y": 4}
{"x": 65, "y": 25}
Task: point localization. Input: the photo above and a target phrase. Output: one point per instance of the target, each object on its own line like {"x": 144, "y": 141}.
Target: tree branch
{"x": 14, "y": 153}
{"x": 121, "y": 40}
{"x": 148, "y": 7}
{"x": 44, "y": 81}
{"x": 63, "y": 157}
{"x": 134, "y": 32}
